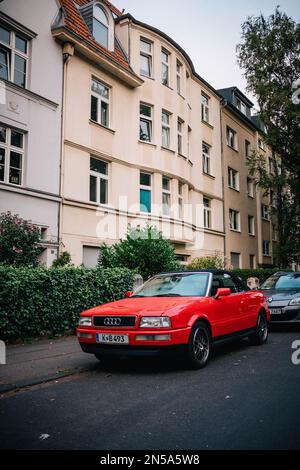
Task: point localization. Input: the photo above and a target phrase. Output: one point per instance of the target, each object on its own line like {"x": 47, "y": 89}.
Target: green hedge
{"x": 261, "y": 274}
{"x": 39, "y": 301}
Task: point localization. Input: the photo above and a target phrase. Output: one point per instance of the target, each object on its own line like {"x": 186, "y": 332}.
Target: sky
{"x": 208, "y": 30}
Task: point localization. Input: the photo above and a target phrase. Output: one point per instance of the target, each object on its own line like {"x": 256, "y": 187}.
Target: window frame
{"x": 251, "y": 225}
{"x": 205, "y": 108}
{"x": 100, "y": 98}
{"x": 12, "y": 51}
{"x": 207, "y": 213}
{"x": 265, "y": 212}
{"x": 8, "y": 150}
{"x": 166, "y": 192}
{"x": 266, "y": 244}
{"x": 146, "y": 119}
{"x": 179, "y": 75}
{"x": 99, "y": 178}
{"x": 233, "y": 179}
{"x": 250, "y": 187}
{"x": 166, "y": 64}
{"x": 229, "y": 139}
{"x": 180, "y": 200}
{"x": 148, "y": 56}
{"x": 106, "y": 26}
{"x": 180, "y": 124}
{"x": 236, "y": 214}
{"x": 143, "y": 187}
{"x": 166, "y": 126}
{"x": 206, "y": 159}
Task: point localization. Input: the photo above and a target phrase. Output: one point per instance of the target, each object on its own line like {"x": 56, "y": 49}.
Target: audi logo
{"x": 112, "y": 321}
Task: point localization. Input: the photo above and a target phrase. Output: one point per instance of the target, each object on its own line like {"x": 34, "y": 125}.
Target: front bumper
{"x": 290, "y": 314}
{"x": 177, "y": 343}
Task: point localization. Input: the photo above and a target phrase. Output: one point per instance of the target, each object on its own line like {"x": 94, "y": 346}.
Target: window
{"x": 180, "y": 200}
{"x": 206, "y": 158}
{"x": 165, "y": 117}
{"x": 272, "y": 198}
{"x": 179, "y": 77}
{"x": 233, "y": 179}
{"x": 100, "y": 26}
{"x": 11, "y": 155}
{"x": 145, "y": 192}
{"x": 235, "y": 263}
{"x": 266, "y": 248}
{"x": 166, "y": 195}
{"x": 247, "y": 148}
{"x": 98, "y": 181}
{"x": 252, "y": 261}
{"x": 100, "y": 103}
{"x": 251, "y": 230}
{"x": 13, "y": 57}
{"x": 179, "y": 136}
{"x": 165, "y": 67}
{"x": 271, "y": 165}
{"x": 274, "y": 233}
{"x": 241, "y": 106}
{"x": 261, "y": 144}
{"x": 145, "y": 122}
{"x": 234, "y": 220}
{"x": 204, "y": 107}
{"x": 264, "y": 212}
{"x": 145, "y": 58}
{"x": 250, "y": 187}
{"x": 207, "y": 212}
{"x": 231, "y": 137}
{"x": 225, "y": 280}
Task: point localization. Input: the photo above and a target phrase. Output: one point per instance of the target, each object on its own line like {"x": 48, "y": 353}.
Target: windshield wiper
{"x": 167, "y": 295}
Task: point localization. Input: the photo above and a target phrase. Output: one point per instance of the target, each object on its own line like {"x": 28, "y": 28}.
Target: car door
{"x": 227, "y": 309}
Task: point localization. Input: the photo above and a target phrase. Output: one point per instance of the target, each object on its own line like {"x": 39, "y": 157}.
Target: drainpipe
{"x": 223, "y": 104}
{"x": 68, "y": 52}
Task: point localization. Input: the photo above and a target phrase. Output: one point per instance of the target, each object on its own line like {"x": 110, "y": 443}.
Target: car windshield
{"x": 175, "y": 285}
{"x": 284, "y": 281}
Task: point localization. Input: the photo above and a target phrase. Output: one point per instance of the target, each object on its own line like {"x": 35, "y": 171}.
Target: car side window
{"x": 217, "y": 283}
{"x": 231, "y": 283}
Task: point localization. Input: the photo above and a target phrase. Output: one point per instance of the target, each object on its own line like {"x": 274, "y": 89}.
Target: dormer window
{"x": 100, "y": 26}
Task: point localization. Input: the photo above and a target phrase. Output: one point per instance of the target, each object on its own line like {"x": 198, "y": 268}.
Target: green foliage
{"x": 41, "y": 301}
{"x": 261, "y": 274}
{"x": 270, "y": 56}
{"x": 19, "y": 241}
{"x": 63, "y": 260}
{"x": 144, "y": 250}
{"x": 208, "y": 262}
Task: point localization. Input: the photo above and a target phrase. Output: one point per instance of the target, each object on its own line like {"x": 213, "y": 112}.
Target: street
{"x": 247, "y": 398}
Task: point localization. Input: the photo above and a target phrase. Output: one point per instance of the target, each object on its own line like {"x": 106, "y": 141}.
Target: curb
{"x": 4, "y": 388}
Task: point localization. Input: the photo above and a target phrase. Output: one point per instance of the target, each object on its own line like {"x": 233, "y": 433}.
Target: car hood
{"x": 278, "y": 295}
{"x": 146, "y": 306}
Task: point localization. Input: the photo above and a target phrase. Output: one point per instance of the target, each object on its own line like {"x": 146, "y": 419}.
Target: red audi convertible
{"x": 186, "y": 312}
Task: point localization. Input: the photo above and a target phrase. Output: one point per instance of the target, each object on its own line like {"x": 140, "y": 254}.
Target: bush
{"x": 144, "y": 251}
{"x": 41, "y": 301}
{"x": 261, "y": 274}
{"x": 19, "y": 241}
{"x": 208, "y": 262}
{"x": 64, "y": 259}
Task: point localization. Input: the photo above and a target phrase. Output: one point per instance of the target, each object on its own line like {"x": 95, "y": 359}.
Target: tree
{"x": 63, "y": 260}
{"x": 19, "y": 241}
{"x": 144, "y": 250}
{"x": 216, "y": 261}
{"x": 270, "y": 56}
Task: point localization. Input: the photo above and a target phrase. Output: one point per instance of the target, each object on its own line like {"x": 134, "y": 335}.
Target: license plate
{"x": 107, "y": 338}
{"x": 276, "y": 311}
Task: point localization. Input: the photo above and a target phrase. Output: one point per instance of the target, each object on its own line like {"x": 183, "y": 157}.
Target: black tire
{"x": 199, "y": 346}
{"x": 261, "y": 331}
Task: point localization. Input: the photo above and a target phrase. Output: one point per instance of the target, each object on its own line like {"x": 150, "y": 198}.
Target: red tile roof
{"x": 75, "y": 23}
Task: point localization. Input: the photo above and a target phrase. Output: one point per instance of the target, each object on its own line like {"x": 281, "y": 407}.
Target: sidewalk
{"x": 43, "y": 361}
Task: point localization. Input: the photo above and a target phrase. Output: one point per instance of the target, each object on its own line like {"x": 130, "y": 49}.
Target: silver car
{"x": 282, "y": 291}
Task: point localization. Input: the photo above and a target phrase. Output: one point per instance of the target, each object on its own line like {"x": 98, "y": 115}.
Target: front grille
{"x": 286, "y": 316}
{"x": 115, "y": 322}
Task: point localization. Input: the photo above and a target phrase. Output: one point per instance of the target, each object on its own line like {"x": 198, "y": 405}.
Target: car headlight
{"x": 155, "y": 322}
{"x": 85, "y": 321}
{"x": 295, "y": 301}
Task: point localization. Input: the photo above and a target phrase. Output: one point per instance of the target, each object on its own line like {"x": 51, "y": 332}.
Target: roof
{"x": 73, "y": 21}
{"x": 228, "y": 95}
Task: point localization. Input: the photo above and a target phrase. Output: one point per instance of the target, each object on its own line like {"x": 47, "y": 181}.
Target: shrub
{"x": 41, "y": 301}
{"x": 144, "y": 250}
{"x": 261, "y": 274}
{"x": 19, "y": 241}
{"x": 208, "y": 262}
{"x": 64, "y": 259}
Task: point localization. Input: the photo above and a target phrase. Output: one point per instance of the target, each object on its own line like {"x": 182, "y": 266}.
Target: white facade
{"x": 34, "y": 112}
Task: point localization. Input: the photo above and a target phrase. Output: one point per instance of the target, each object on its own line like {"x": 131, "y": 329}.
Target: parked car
{"x": 185, "y": 312}
{"x": 282, "y": 291}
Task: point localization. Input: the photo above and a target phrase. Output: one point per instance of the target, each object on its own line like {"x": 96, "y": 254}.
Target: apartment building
{"x": 30, "y": 117}
{"x": 141, "y": 136}
{"x": 248, "y": 215}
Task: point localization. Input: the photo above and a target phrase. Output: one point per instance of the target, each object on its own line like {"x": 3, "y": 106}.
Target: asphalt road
{"x": 247, "y": 398}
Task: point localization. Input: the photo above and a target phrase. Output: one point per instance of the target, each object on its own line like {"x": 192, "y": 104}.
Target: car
{"x": 282, "y": 291}
{"x": 181, "y": 312}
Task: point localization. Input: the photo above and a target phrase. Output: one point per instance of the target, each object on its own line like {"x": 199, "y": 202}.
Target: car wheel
{"x": 199, "y": 346}
{"x": 261, "y": 331}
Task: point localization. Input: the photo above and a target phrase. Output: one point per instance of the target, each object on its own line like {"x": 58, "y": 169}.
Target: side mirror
{"x": 129, "y": 293}
{"x": 222, "y": 292}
